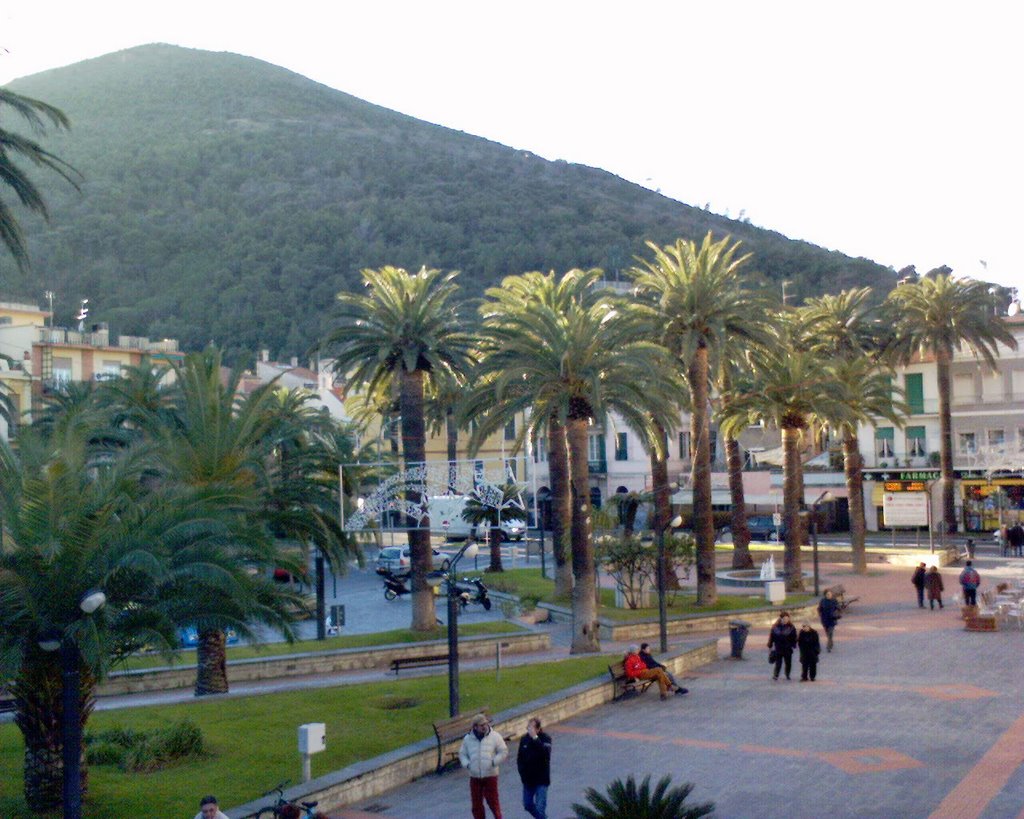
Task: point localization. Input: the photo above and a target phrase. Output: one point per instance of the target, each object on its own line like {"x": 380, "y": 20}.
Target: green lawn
{"x": 253, "y": 741}
{"x": 378, "y": 638}
{"x": 532, "y": 588}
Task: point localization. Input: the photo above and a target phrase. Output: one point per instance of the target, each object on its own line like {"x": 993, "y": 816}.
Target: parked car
{"x": 188, "y": 637}
{"x": 762, "y": 527}
{"x": 397, "y": 560}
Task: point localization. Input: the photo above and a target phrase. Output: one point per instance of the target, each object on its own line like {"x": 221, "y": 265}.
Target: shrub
{"x": 630, "y": 801}
{"x": 145, "y": 751}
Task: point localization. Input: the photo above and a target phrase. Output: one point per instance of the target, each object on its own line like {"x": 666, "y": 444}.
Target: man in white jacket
{"x": 482, "y": 751}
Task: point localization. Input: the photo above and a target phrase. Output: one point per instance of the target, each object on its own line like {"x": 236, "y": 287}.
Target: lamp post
{"x": 470, "y": 549}
{"x": 824, "y": 497}
{"x": 662, "y": 610}
{"x": 71, "y": 718}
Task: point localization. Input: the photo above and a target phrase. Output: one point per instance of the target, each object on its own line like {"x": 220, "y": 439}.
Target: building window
{"x": 61, "y": 369}
{"x": 996, "y": 440}
{"x": 621, "y": 446}
{"x": 992, "y": 389}
{"x": 883, "y": 442}
{"x": 913, "y": 385}
{"x": 595, "y": 447}
{"x": 541, "y": 453}
{"x": 684, "y": 446}
{"x": 915, "y": 442}
{"x": 1020, "y": 439}
{"x": 510, "y": 430}
{"x": 967, "y": 443}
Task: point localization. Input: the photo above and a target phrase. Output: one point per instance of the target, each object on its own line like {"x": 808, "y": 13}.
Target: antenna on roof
{"x": 83, "y": 313}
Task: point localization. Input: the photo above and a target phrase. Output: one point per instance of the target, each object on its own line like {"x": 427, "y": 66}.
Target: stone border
{"x": 322, "y": 662}
{"x": 372, "y": 777}
{"x": 618, "y": 631}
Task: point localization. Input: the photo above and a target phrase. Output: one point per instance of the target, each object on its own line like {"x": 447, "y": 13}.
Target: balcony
{"x": 101, "y": 338}
{"x": 598, "y": 467}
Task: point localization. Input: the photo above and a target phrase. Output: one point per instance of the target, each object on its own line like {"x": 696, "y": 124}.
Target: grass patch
{"x": 532, "y": 588}
{"x": 250, "y": 741}
{"x": 378, "y": 638}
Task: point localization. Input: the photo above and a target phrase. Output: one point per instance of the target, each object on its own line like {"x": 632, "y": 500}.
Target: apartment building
{"x": 988, "y": 439}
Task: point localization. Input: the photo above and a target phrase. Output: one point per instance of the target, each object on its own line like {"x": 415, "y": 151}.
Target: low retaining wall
{"x": 688, "y": 623}
{"x": 372, "y": 777}
{"x": 322, "y": 662}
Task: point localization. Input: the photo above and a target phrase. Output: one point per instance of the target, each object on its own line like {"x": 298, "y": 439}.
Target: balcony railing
{"x": 599, "y": 466}
{"x": 101, "y": 338}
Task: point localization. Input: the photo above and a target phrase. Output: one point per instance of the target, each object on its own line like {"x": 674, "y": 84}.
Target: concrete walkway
{"x": 911, "y": 716}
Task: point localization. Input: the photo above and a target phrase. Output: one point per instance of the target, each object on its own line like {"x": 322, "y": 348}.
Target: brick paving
{"x": 911, "y": 716}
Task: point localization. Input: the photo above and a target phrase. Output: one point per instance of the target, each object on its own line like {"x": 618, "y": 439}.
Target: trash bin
{"x": 738, "y": 637}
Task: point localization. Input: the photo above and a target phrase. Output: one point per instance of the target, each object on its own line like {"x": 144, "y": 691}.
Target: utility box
{"x": 312, "y": 738}
{"x": 775, "y": 591}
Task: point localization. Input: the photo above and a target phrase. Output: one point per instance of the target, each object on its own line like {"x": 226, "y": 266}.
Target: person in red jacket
{"x": 636, "y": 669}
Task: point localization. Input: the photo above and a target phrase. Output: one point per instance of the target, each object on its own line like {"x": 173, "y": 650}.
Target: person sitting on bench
{"x": 650, "y": 662}
{"x": 636, "y": 670}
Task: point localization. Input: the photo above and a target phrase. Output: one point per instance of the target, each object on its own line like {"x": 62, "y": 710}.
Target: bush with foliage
{"x": 143, "y": 751}
{"x": 631, "y": 801}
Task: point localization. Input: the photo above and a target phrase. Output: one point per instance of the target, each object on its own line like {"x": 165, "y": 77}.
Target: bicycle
{"x": 285, "y": 809}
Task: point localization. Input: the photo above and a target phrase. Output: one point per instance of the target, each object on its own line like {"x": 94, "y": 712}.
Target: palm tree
{"x": 571, "y": 352}
{"x": 789, "y": 387}
{"x": 490, "y": 505}
{"x": 845, "y": 327}
{"x": 631, "y": 801}
{"x": 697, "y": 296}
{"x": 407, "y": 329}
{"x": 935, "y": 316}
{"x": 38, "y": 115}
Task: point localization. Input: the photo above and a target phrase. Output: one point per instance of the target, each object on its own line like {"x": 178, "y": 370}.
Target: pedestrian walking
{"x": 1015, "y": 539}
{"x": 781, "y": 642}
{"x": 933, "y": 583}
{"x": 829, "y": 614}
{"x": 969, "y": 581}
{"x": 918, "y": 580}
{"x": 481, "y": 752}
{"x": 810, "y": 650}
{"x": 534, "y": 762}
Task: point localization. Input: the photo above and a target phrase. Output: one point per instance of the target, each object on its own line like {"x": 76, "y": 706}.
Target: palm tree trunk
{"x": 38, "y": 714}
{"x": 662, "y": 502}
{"x": 942, "y": 360}
{"x": 584, "y": 601}
{"x": 855, "y": 495}
{"x": 494, "y": 539}
{"x": 703, "y": 522}
{"x": 561, "y": 506}
{"x": 741, "y": 557}
{"x": 791, "y": 500}
{"x": 211, "y": 662}
{"x": 414, "y": 447}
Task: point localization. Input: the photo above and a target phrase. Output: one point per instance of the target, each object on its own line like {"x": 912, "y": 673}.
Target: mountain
{"x": 228, "y": 199}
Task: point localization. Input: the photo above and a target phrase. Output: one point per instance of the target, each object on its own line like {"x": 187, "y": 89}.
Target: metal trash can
{"x": 738, "y": 637}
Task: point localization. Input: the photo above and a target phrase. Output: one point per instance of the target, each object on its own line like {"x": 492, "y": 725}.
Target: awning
{"x": 915, "y": 432}
{"x": 886, "y": 433}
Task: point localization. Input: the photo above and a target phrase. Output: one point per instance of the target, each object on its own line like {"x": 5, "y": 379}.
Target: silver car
{"x": 397, "y": 560}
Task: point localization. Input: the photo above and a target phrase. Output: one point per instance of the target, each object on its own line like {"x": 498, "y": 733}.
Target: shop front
{"x": 988, "y": 504}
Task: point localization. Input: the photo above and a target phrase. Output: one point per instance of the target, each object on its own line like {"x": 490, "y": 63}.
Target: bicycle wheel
{"x": 267, "y": 813}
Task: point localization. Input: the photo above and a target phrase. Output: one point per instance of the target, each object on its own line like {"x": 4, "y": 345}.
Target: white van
{"x": 446, "y": 516}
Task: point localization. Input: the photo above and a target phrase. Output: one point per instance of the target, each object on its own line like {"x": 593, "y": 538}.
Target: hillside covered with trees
{"x": 227, "y": 199}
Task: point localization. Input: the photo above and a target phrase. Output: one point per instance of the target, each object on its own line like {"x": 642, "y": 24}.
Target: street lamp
{"x": 662, "y": 612}
{"x": 470, "y": 550}
{"x": 824, "y": 497}
{"x": 71, "y": 720}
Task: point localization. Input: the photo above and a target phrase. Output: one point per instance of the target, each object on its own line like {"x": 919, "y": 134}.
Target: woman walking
{"x": 534, "y": 762}
{"x": 810, "y": 649}
{"x": 933, "y": 583}
{"x": 781, "y": 642}
{"x": 828, "y": 612}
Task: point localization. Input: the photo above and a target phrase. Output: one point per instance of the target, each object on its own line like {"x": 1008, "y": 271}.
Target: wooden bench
{"x": 454, "y": 728}
{"x": 418, "y": 662}
{"x": 623, "y": 686}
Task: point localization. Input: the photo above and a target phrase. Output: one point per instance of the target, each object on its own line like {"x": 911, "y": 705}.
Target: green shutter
{"x": 600, "y": 447}
{"x": 915, "y": 432}
{"x": 884, "y": 433}
{"x": 913, "y": 384}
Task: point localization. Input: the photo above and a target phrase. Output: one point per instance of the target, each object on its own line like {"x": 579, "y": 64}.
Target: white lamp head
{"x": 472, "y": 550}
{"x": 676, "y": 522}
{"x": 92, "y": 601}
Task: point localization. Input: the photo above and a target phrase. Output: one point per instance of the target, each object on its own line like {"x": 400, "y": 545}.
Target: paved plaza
{"x": 911, "y": 716}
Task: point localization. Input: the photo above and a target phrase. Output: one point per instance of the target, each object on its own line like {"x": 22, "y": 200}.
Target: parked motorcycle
{"x": 472, "y": 590}
{"x": 394, "y": 586}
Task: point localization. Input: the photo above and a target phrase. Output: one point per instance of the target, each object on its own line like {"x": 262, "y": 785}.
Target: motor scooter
{"x": 472, "y": 590}
{"x": 394, "y": 586}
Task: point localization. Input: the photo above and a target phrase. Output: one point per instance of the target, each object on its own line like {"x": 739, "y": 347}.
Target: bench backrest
{"x": 458, "y": 726}
{"x": 617, "y": 669}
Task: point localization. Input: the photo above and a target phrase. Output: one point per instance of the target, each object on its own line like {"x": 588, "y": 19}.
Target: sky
{"x": 886, "y": 130}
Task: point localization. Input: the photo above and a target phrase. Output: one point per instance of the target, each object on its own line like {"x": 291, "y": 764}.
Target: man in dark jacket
{"x": 534, "y": 761}
{"x": 650, "y": 662}
{"x": 969, "y": 581}
{"x": 810, "y": 649}
{"x": 918, "y": 581}
{"x": 828, "y": 612}
{"x": 1015, "y": 539}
